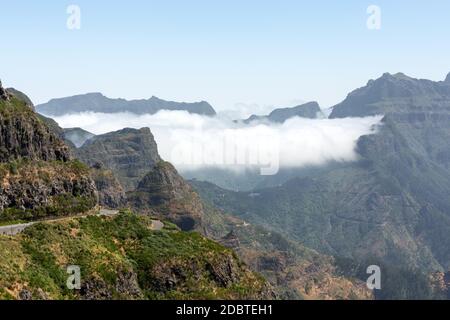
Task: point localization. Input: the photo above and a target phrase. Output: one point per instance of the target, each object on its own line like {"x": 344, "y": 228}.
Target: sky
{"x": 229, "y": 53}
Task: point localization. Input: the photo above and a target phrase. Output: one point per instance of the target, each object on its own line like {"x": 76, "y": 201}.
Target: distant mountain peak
{"x": 395, "y": 76}
{"x": 309, "y": 110}
{"x": 394, "y": 93}
{"x": 448, "y": 78}
{"x": 94, "y": 94}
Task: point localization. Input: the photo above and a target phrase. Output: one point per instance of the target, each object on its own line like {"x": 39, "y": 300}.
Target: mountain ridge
{"x": 97, "y": 102}
{"x": 394, "y": 93}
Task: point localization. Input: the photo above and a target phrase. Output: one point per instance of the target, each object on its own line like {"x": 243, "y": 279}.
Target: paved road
{"x": 15, "y": 229}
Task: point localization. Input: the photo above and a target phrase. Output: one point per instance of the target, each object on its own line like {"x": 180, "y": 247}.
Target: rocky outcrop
{"x": 24, "y": 136}
{"x": 110, "y": 191}
{"x": 31, "y": 190}
{"x": 129, "y": 153}
{"x": 127, "y": 287}
{"x": 37, "y": 176}
{"x": 163, "y": 192}
{"x": 231, "y": 240}
{"x": 441, "y": 284}
{"x": 57, "y": 131}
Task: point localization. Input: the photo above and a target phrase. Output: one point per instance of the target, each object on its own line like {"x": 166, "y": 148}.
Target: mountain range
{"x": 305, "y": 234}
{"x": 391, "y": 207}
{"x": 96, "y": 102}
{"x": 200, "y": 252}
{"x": 310, "y": 110}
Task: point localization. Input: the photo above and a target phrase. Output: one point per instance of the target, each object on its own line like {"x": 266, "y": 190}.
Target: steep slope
{"x": 129, "y": 153}
{"x": 294, "y": 271}
{"x": 20, "y": 96}
{"x": 122, "y": 258}
{"x": 110, "y": 192}
{"x": 58, "y": 131}
{"x": 96, "y": 102}
{"x": 392, "y": 207}
{"x": 309, "y": 110}
{"x": 24, "y": 136}
{"x": 394, "y": 93}
{"x": 37, "y": 176}
{"x": 163, "y": 192}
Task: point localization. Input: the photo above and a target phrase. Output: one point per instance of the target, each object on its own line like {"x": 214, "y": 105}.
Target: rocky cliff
{"x": 38, "y": 178}
{"x": 110, "y": 191}
{"x": 24, "y": 136}
{"x": 163, "y": 192}
{"x": 129, "y": 153}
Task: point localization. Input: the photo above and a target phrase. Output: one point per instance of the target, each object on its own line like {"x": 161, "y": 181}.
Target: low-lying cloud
{"x": 192, "y": 141}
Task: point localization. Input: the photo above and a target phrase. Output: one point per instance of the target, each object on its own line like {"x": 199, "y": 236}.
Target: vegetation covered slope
{"x": 391, "y": 207}
{"x": 122, "y": 258}
{"x": 294, "y": 271}
{"x": 163, "y": 192}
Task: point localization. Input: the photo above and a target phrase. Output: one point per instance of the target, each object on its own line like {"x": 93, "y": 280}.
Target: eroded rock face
{"x": 24, "y": 136}
{"x": 224, "y": 271}
{"x": 110, "y": 191}
{"x": 126, "y": 286}
{"x": 231, "y": 240}
{"x": 37, "y": 189}
{"x": 129, "y": 153}
{"x": 38, "y": 177}
{"x": 95, "y": 289}
{"x": 163, "y": 192}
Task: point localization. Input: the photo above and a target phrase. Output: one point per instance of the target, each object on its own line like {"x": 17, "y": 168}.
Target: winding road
{"x": 14, "y": 229}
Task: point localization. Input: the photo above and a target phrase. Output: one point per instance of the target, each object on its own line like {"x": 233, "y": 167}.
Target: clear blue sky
{"x": 225, "y": 52}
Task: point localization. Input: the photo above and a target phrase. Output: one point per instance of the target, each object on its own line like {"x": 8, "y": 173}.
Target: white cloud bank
{"x": 192, "y": 141}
